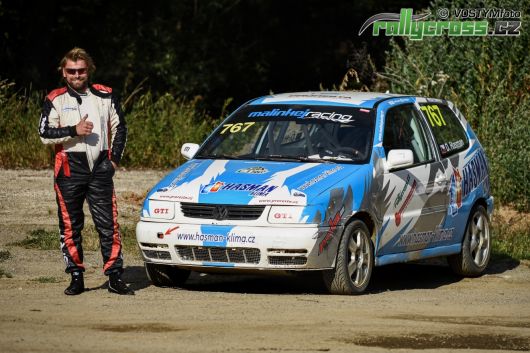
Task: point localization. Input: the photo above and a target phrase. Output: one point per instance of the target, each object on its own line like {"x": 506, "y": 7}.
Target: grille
{"x": 160, "y": 255}
{"x": 218, "y": 254}
{"x": 287, "y": 260}
{"x": 155, "y": 246}
{"x": 220, "y": 212}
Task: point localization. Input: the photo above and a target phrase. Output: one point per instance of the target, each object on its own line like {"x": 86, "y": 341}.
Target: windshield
{"x": 293, "y": 132}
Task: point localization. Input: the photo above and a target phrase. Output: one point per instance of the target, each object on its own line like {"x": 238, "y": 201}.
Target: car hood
{"x": 250, "y": 182}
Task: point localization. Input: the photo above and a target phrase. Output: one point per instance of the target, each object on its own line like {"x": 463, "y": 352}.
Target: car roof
{"x": 336, "y": 98}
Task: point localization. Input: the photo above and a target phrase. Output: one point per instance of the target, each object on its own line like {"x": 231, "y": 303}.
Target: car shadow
{"x": 256, "y": 284}
{"x": 500, "y": 264}
{"x": 426, "y": 274}
{"x": 384, "y": 279}
{"x": 406, "y": 276}
{"x": 136, "y": 277}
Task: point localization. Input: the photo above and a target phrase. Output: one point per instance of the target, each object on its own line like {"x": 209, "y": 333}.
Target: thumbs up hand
{"x": 84, "y": 127}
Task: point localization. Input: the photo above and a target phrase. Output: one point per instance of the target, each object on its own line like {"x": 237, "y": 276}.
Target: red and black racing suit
{"x": 79, "y": 176}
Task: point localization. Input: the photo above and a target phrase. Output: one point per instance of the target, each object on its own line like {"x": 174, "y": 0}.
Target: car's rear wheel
{"x": 355, "y": 261}
{"x": 476, "y": 245}
{"x": 165, "y": 275}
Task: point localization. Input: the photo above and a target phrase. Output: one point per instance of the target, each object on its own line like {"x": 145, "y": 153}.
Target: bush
{"x": 158, "y": 126}
{"x": 19, "y": 120}
{"x": 488, "y": 79}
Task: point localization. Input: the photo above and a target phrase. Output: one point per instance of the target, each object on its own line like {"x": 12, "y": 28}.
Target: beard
{"x": 78, "y": 84}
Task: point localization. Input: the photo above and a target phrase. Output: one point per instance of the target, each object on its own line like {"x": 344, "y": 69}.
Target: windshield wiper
{"x": 280, "y": 157}
{"x": 317, "y": 159}
{"x": 276, "y": 157}
{"x": 217, "y": 156}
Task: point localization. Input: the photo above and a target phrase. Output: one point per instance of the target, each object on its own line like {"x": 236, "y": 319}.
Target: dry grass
{"x": 134, "y": 198}
{"x": 511, "y": 233}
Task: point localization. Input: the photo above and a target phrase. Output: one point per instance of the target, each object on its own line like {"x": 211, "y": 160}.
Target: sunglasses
{"x": 80, "y": 71}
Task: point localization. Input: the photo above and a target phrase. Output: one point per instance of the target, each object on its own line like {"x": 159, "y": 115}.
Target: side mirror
{"x": 399, "y": 159}
{"x": 188, "y": 150}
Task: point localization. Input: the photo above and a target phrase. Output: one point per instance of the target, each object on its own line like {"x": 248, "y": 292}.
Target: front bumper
{"x": 238, "y": 247}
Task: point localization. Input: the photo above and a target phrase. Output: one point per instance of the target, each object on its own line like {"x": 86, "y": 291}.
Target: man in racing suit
{"x": 87, "y": 126}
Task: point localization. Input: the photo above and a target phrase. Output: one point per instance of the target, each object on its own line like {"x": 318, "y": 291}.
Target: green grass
{"x": 510, "y": 243}
{"x": 4, "y": 273}
{"x": 44, "y": 279}
{"x": 510, "y": 231}
{"x": 42, "y": 239}
{"x": 4, "y": 255}
{"x": 130, "y": 246}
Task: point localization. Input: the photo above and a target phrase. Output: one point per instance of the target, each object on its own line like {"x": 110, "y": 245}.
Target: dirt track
{"x": 407, "y": 306}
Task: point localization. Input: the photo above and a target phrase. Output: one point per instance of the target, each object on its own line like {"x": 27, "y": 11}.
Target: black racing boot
{"x": 116, "y": 285}
{"x": 77, "y": 285}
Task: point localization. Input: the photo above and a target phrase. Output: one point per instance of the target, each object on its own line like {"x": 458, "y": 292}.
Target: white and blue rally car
{"x": 337, "y": 182}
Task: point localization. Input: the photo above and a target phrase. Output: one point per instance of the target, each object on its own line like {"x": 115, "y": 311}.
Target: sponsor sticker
{"x": 320, "y": 177}
{"x": 423, "y": 238}
{"x": 332, "y": 222}
{"x": 413, "y": 187}
{"x": 455, "y": 192}
{"x": 253, "y": 170}
{"x": 297, "y": 193}
{"x": 161, "y": 209}
{"x": 474, "y": 173}
{"x": 179, "y": 177}
{"x": 303, "y": 114}
{"x": 217, "y": 238}
{"x": 254, "y": 189}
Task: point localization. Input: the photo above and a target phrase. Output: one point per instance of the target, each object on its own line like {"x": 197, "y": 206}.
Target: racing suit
{"x": 83, "y": 169}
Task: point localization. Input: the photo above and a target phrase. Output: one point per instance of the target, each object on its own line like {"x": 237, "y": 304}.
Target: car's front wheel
{"x": 476, "y": 245}
{"x": 165, "y": 275}
{"x": 355, "y": 261}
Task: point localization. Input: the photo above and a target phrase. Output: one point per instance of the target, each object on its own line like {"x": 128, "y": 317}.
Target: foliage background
{"x": 181, "y": 66}
{"x": 213, "y": 49}
{"x": 488, "y": 78}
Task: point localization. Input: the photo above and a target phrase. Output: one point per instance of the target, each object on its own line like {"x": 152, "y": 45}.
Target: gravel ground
{"x": 413, "y": 306}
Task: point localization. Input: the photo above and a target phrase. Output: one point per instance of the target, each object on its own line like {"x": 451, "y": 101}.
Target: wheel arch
{"x": 481, "y": 202}
{"x": 339, "y": 280}
{"x": 465, "y": 263}
{"x": 367, "y": 218}
{"x": 478, "y": 202}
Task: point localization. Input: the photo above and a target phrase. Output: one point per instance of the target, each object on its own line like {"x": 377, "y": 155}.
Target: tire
{"x": 355, "y": 261}
{"x": 476, "y": 246}
{"x": 166, "y": 276}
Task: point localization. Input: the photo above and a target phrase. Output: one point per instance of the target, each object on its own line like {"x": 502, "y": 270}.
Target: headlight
{"x": 286, "y": 214}
{"x": 159, "y": 209}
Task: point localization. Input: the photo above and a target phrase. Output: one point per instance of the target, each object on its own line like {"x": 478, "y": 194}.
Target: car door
{"x": 465, "y": 164}
{"x": 415, "y": 200}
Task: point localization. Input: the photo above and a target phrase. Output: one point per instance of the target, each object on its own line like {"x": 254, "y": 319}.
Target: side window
{"x": 403, "y": 130}
{"x": 448, "y": 132}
